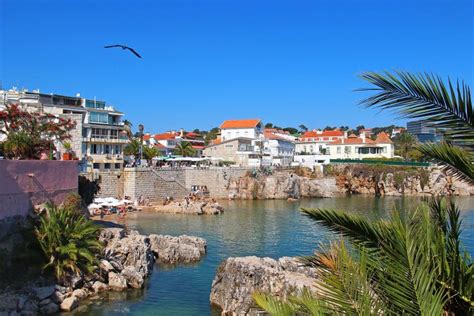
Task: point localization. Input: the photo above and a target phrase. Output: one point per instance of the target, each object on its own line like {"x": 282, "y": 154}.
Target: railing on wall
{"x": 383, "y": 162}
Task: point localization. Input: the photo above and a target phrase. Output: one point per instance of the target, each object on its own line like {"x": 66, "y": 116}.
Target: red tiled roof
{"x": 158, "y": 145}
{"x": 146, "y": 137}
{"x": 382, "y": 137}
{"x": 312, "y": 134}
{"x": 164, "y": 136}
{"x": 271, "y": 135}
{"x": 240, "y": 124}
{"x": 352, "y": 141}
{"x": 197, "y": 147}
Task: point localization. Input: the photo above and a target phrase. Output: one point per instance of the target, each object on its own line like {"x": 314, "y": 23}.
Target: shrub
{"x": 88, "y": 189}
{"x": 69, "y": 242}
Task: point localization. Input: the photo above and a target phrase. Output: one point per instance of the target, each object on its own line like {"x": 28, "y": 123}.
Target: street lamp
{"x": 140, "y": 134}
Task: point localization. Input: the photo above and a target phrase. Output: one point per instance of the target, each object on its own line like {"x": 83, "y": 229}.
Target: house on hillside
{"x": 166, "y": 142}
{"x": 315, "y": 142}
{"x": 279, "y": 146}
{"x": 360, "y": 147}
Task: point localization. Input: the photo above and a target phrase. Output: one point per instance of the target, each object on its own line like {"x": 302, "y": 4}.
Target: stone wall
{"x": 216, "y": 179}
{"x": 24, "y": 183}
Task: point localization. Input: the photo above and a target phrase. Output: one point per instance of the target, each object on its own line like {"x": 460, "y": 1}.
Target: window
{"x": 384, "y": 149}
{"x": 347, "y": 149}
{"x": 114, "y": 134}
{"x": 95, "y": 149}
{"x": 96, "y": 166}
{"x": 106, "y": 149}
{"x": 338, "y": 149}
{"x": 117, "y": 166}
{"x": 98, "y": 117}
{"x": 95, "y": 104}
{"x": 106, "y": 166}
{"x": 117, "y": 150}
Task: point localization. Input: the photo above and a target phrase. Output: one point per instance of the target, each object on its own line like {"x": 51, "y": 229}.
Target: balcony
{"x": 105, "y": 140}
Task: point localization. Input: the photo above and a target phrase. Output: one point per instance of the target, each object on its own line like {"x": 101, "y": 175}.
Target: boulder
{"x": 57, "y": 297}
{"x": 117, "y": 282}
{"x": 134, "y": 279}
{"x": 190, "y": 207}
{"x": 182, "y": 249}
{"x": 124, "y": 249}
{"x": 238, "y": 278}
{"x": 99, "y": 287}
{"x": 43, "y": 292}
{"x": 69, "y": 303}
{"x": 105, "y": 265}
{"x": 80, "y": 294}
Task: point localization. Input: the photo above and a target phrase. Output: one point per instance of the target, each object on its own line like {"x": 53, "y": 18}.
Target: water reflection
{"x": 263, "y": 228}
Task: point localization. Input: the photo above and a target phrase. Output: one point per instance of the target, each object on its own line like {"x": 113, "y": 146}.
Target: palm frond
{"x": 448, "y": 107}
{"x": 273, "y": 305}
{"x": 454, "y": 160}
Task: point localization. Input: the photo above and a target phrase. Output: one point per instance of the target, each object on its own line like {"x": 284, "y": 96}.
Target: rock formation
{"x": 282, "y": 185}
{"x": 191, "y": 207}
{"x": 238, "y": 278}
{"x": 182, "y": 249}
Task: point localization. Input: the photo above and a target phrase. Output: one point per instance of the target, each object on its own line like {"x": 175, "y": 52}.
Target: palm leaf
{"x": 448, "y": 107}
{"x": 272, "y": 305}
{"x": 454, "y": 160}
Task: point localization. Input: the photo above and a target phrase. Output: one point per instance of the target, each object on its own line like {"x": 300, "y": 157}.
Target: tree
{"x": 30, "y": 134}
{"x": 291, "y": 130}
{"x": 269, "y": 125}
{"x": 405, "y": 143}
{"x": 69, "y": 242}
{"x": 211, "y": 135}
{"x": 303, "y": 128}
{"x": 412, "y": 263}
{"x": 358, "y": 128}
{"x": 132, "y": 148}
{"x": 128, "y": 128}
{"x": 149, "y": 153}
{"x": 184, "y": 149}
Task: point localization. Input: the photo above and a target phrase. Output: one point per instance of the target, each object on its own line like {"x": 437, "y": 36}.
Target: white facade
{"x": 361, "y": 147}
{"x": 280, "y": 150}
{"x": 311, "y": 161}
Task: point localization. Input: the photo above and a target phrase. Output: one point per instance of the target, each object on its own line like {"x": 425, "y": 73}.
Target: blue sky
{"x": 286, "y": 62}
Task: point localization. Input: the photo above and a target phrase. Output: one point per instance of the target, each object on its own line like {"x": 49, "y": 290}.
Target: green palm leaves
{"x": 69, "y": 241}
{"x": 448, "y": 107}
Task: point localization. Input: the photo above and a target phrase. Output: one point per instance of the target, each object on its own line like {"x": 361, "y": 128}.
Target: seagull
{"x": 125, "y": 47}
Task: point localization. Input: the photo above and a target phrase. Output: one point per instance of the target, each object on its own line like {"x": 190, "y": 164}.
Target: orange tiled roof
{"x": 146, "y": 137}
{"x": 382, "y": 137}
{"x": 312, "y": 134}
{"x": 164, "y": 136}
{"x": 240, "y": 123}
{"x": 352, "y": 141}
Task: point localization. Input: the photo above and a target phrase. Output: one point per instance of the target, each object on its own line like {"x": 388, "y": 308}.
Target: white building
{"x": 315, "y": 141}
{"x": 361, "y": 147}
{"x": 99, "y": 136}
{"x": 231, "y": 129}
{"x": 279, "y": 146}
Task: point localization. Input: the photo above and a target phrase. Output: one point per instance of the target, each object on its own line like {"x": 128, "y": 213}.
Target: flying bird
{"x": 125, "y": 47}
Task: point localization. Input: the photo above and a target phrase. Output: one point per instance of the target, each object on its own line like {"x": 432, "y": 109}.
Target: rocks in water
{"x": 128, "y": 249}
{"x": 117, "y": 282}
{"x": 133, "y": 278}
{"x": 190, "y": 207}
{"x": 182, "y": 249}
{"x": 69, "y": 304}
{"x": 99, "y": 287}
{"x": 50, "y": 308}
{"x": 105, "y": 265}
{"x": 80, "y": 294}
{"x": 43, "y": 292}
{"x": 238, "y": 278}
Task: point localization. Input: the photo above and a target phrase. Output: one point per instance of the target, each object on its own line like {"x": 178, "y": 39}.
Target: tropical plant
{"x": 69, "y": 242}
{"x": 405, "y": 143}
{"x": 18, "y": 145}
{"x": 303, "y": 128}
{"x": 67, "y": 146}
{"x": 128, "y": 128}
{"x": 149, "y": 153}
{"x": 132, "y": 148}
{"x": 412, "y": 263}
{"x": 184, "y": 149}
{"x": 448, "y": 107}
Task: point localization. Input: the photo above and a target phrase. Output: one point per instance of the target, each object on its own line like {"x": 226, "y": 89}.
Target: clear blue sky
{"x": 286, "y": 62}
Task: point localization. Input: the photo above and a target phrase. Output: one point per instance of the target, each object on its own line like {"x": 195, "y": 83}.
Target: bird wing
{"x": 133, "y": 51}
{"x": 110, "y": 46}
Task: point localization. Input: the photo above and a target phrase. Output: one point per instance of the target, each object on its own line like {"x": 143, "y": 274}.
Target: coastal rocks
{"x": 117, "y": 282}
{"x": 132, "y": 277}
{"x": 282, "y": 185}
{"x": 100, "y": 287}
{"x": 398, "y": 181}
{"x": 182, "y": 249}
{"x": 69, "y": 304}
{"x": 190, "y": 207}
{"x": 238, "y": 278}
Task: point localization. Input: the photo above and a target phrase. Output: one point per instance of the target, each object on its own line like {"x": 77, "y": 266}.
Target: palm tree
{"x": 128, "y": 128}
{"x": 69, "y": 241}
{"x": 406, "y": 142}
{"x": 184, "y": 149}
{"x": 132, "y": 148}
{"x": 303, "y": 128}
{"x": 149, "y": 153}
{"x": 414, "y": 262}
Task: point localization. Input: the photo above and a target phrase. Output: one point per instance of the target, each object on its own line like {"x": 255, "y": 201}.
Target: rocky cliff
{"x": 238, "y": 278}
{"x": 282, "y": 185}
{"x": 397, "y": 181}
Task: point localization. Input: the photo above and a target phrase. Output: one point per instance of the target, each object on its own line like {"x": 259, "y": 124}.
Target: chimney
{"x": 345, "y": 134}
{"x": 362, "y": 135}
{"x": 181, "y": 132}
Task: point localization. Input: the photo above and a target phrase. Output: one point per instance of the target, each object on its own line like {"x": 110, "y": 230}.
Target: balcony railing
{"x": 105, "y": 140}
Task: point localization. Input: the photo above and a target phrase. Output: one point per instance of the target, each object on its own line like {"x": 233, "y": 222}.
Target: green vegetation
{"x": 149, "y": 153}
{"x": 132, "y": 148}
{"x": 413, "y": 263}
{"x": 69, "y": 241}
{"x": 184, "y": 149}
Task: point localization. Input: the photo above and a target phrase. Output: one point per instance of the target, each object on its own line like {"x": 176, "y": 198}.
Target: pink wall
{"x": 24, "y": 183}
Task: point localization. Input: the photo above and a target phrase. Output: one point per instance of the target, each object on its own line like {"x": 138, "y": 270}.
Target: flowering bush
{"x": 30, "y": 134}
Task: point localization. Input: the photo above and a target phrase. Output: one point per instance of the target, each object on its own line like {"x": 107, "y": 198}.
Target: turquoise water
{"x": 261, "y": 228}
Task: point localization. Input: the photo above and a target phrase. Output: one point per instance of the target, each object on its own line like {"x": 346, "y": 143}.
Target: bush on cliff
{"x": 69, "y": 242}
